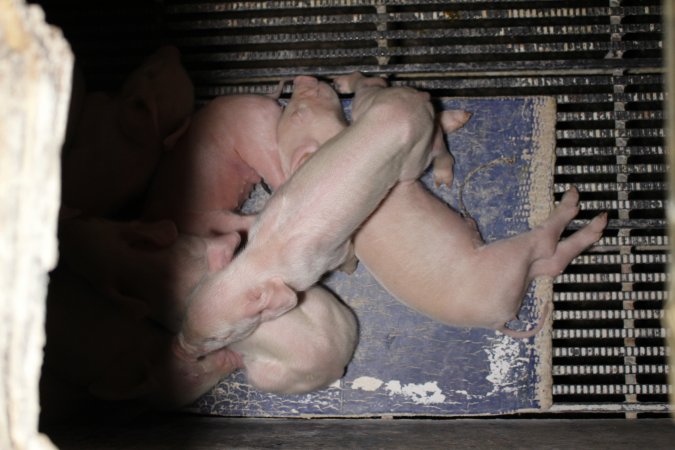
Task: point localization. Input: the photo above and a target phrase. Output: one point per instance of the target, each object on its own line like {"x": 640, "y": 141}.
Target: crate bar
{"x": 586, "y": 407}
{"x": 610, "y": 352}
{"x": 629, "y": 390}
{"x": 610, "y": 333}
{"x": 563, "y": 32}
{"x": 634, "y": 314}
{"x": 592, "y": 151}
{"x": 625, "y": 277}
{"x": 580, "y": 169}
{"x": 530, "y": 50}
{"x": 606, "y": 259}
{"x": 609, "y": 369}
{"x": 619, "y": 296}
{"x": 612, "y": 186}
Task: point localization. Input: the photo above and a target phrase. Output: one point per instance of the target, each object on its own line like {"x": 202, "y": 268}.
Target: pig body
{"x": 96, "y": 353}
{"x": 450, "y": 274}
{"x": 312, "y": 116}
{"x": 148, "y": 268}
{"x": 306, "y": 349}
{"x": 117, "y": 142}
{"x": 96, "y": 350}
{"x": 305, "y": 227}
{"x": 231, "y": 143}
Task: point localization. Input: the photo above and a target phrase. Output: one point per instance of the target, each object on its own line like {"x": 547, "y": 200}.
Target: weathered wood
{"x": 35, "y": 81}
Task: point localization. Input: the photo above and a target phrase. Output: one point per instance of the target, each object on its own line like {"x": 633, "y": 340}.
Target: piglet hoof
{"x": 443, "y": 170}
{"x": 453, "y": 119}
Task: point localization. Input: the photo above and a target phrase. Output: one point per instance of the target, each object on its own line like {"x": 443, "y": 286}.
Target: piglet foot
{"x": 570, "y": 248}
{"x": 562, "y": 215}
{"x": 453, "y": 119}
{"x": 443, "y": 169}
{"x": 348, "y": 84}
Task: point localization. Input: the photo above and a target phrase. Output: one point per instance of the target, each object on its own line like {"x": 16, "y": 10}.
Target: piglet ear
{"x": 170, "y": 141}
{"x": 138, "y": 119}
{"x": 151, "y": 235}
{"x": 273, "y": 298}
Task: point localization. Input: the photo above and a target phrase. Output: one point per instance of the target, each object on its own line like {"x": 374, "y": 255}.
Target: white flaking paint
{"x": 367, "y": 384}
{"x": 503, "y": 356}
{"x": 422, "y": 394}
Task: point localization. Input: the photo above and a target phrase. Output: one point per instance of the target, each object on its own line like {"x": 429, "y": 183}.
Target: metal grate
{"x": 601, "y": 60}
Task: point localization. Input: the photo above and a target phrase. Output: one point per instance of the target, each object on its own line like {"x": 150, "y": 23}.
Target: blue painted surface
{"x": 407, "y": 363}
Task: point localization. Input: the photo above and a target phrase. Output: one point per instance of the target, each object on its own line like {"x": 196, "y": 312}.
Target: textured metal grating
{"x": 600, "y": 59}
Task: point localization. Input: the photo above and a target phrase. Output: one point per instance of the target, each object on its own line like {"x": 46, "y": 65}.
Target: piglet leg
{"x": 365, "y": 89}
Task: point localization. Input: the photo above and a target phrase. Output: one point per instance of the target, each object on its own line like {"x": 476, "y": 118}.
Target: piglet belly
{"x": 425, "y": 273}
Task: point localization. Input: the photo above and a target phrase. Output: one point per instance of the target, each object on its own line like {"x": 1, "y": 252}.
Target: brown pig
{"x": 148, "y": 268}
{"x": 118, "y": 139}
{"x": 305, "y": 227}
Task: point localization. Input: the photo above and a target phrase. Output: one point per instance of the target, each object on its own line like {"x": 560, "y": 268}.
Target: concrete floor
{"x": 212, "y": 433}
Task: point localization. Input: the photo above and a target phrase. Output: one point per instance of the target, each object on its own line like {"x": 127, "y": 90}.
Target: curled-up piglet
{"x": 118, "y": 138}
{"x": 306, "y": 349}
{"x": 305, "y": 227}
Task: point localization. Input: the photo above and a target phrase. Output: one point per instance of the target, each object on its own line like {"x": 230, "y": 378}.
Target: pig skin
{"x": 231, "y": 143}
{"x": 305, "y": 227}
{"x": 479, "y": 297}
{"x": 97, "y": 351}
{"x": 449, "y": 274}
{"x": 96, "y": 356}
{"x": 312, "y": 116}
{"x": 116, "y": 144}
{"x": 453, "y": 277}
{"x": 305, "y": 349}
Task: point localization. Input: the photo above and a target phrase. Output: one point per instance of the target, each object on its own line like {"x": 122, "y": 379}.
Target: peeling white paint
{"x": 422, "y": 394}
{"x": 503, "y": 356}
{"x": 367, "y": 384}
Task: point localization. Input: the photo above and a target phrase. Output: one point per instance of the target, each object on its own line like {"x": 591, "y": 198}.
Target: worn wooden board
{"x": 407, "y": 364}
